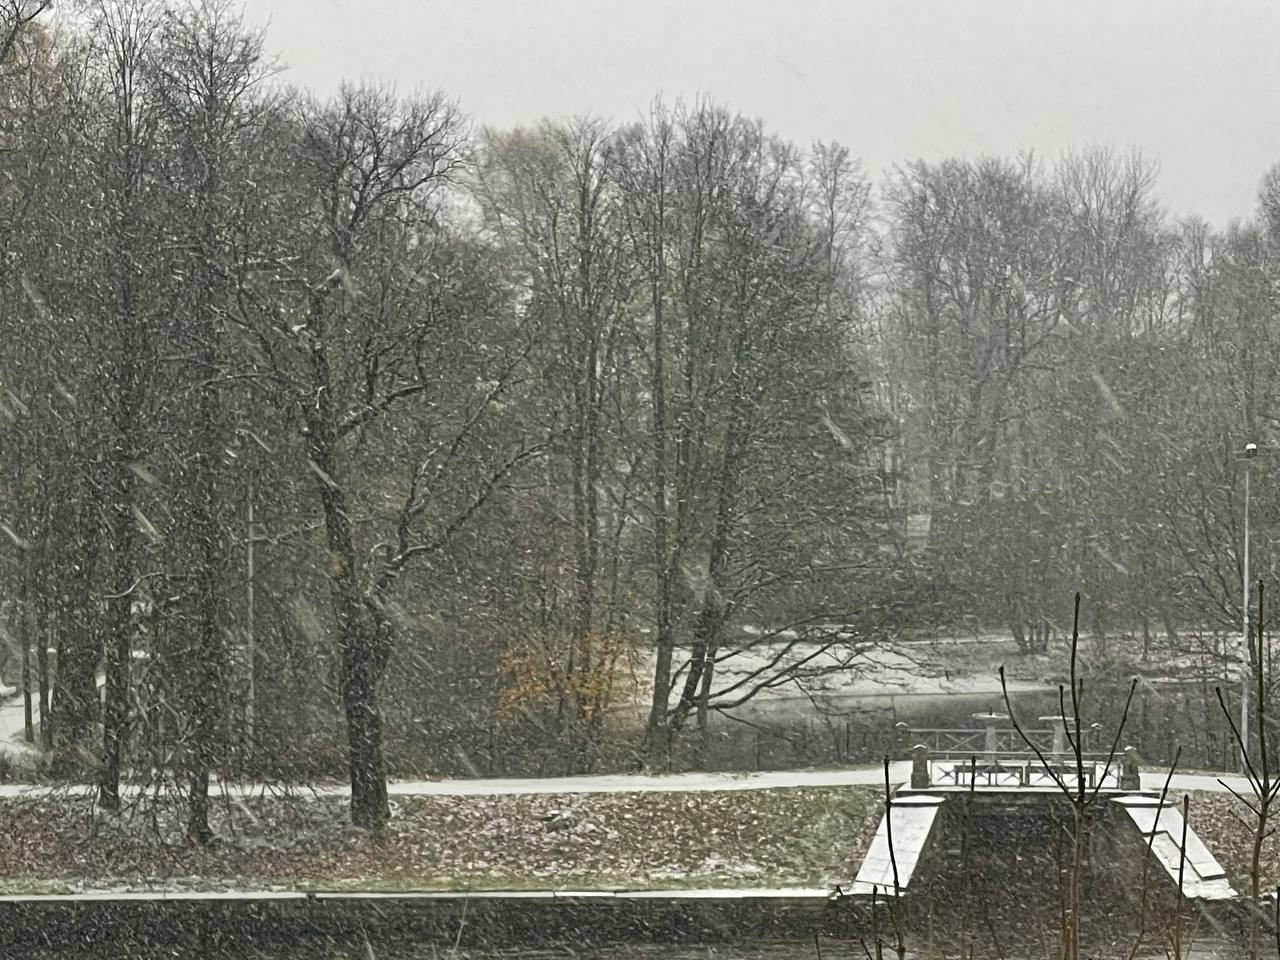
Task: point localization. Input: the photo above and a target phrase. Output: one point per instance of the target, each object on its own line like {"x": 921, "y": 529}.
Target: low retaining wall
{"x": 472, "y": 920}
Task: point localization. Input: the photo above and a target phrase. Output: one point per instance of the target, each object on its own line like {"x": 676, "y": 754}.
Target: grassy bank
{"x": 749, "y": 838}
{"x": 1227, "y": 827}
{"x": 744, "y": 838}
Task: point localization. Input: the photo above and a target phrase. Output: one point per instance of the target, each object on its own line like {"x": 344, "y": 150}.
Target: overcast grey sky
{"x": 1195, "y": 84}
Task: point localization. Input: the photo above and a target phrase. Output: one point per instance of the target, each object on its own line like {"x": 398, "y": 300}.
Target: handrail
{"x": 961, "y": 740}
{"x": 978, "y": 730}
{"x": 1025, "y": 767}
{"x": 1069, "y": 755}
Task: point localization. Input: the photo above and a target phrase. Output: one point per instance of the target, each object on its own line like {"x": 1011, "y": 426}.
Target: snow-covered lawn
{"x": 12, "y": 723}
{"x": 757, "y": 838}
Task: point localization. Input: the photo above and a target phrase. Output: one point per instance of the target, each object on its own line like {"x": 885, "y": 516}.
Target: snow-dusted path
{"x": 899, "y": 773}
{"x": 1213, "y": 783}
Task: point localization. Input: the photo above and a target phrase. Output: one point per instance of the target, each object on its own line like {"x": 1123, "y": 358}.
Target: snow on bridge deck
{"x": 1162, "y": 826}
{"x": 885, "y": 870}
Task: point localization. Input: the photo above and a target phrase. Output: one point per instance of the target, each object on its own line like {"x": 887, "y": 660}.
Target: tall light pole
{"x": 1250, "y": 451}
{"x": 251, "y": 653}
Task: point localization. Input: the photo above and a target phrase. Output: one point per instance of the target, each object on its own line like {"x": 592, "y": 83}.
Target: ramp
{"x": 1161, "y": 826}
{"x": 913, "y": 817}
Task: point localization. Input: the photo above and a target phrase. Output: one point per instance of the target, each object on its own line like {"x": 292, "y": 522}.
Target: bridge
{"x": 998, "y": 757}
{"x": 1001, "y": 764}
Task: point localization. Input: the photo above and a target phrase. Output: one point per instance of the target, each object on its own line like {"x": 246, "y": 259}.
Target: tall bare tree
{"x": 383, "y": 311}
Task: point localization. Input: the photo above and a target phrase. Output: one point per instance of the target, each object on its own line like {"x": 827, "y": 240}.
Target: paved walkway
{"x": 11, "y": 724}
{"x": 899, "y": 773}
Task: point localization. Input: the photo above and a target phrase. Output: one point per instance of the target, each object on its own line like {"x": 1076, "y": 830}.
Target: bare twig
{"x": 1146, "y": 863}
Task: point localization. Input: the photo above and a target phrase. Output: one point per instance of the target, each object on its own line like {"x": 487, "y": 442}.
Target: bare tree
{"x": 127, "y": 348}
{"x": 551, "y": 194}
{"x": 208, "y": 68}
{"x": 16, "y": 18}
{"x": 383, "y": 311}
{"x": 1264, "y": 784}
{"x": 755, "y": 400}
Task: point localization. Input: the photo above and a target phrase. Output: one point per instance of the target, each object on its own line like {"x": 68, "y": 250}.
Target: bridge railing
{"x": 1024, "y": 768}
{"x": 960, "y": 744}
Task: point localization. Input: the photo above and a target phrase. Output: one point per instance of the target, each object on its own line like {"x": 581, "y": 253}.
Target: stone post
{"x": 1130, "y": 775}
{"x": 920, "y": 767}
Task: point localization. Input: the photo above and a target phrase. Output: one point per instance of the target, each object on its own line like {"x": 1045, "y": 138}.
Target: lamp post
{"x": 1250, "y": 451}
{"x": 251, "y": 654}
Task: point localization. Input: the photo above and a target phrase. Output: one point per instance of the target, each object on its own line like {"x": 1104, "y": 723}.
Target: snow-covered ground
{"x": 844, "y": 673}
{"x": 12, "y": 723}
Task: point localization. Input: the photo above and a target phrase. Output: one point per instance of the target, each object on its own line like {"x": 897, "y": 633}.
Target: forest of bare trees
{"x": 340, "y": 434}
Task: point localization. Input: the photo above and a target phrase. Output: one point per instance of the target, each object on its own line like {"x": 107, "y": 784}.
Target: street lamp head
{"x": 1250, "y": 449}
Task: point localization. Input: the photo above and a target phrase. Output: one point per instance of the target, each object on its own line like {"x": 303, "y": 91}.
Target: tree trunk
{"x": 364, "y": 648}
{"x": 79, "y": 631}
{"x": 693, "y": 679}
{"x": 1072, "y": 951}
{"x": 204, "y": 664}
{"x": 704, "y": 700}
{"x": 42, "y": 668}
{"x": 198, "y": 806}
{"x": 1017, "y": 629}
{"x": 658, "y": 745}
{"x": 586, "y": 480}
{"x": 115, "y": 706}
{"x": 28, "y": 722}
{"x": 369, "y": 805}
{"x": 115, "y": 713}
{"x": 363, "y": 636}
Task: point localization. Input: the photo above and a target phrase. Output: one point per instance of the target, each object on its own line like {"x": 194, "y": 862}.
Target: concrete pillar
{"x": 1059, "y": 748}
{"x": 990, "y": 721}
{"x": 920, "y": 767}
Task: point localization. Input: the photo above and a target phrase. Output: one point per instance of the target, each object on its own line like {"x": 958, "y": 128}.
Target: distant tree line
{"x": 1075, "y": 377}
{"x": 341, "y": 433}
